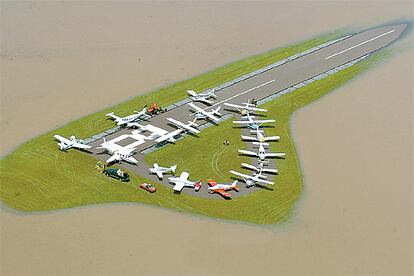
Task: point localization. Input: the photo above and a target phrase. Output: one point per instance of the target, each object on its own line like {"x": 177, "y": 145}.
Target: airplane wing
{"x": 270, "y": 170}
{"x": 259, "y": 180}
{"x": 192, "y": 93}
{"x": 272, "y": 138}
{"x": 247, "y": 152}
{"x": 251, "y": 167}
{"x": 159, "y": 174}
{"x": 275, "y": 154}
{"x": 168, "y": 136}
{"x": 112, "y": 115}
{"x": 81, "y": 146}
{"x": 262, "y": 121}
{"x": 113, "y": 158}
{"x": 203, "y": 100}
{"x": 62, "y": 139}
{"x": 205, "y": 113}
{"x": 179, "y": 185}
{"x": 222, "y": 192}
{"x": 240, "y": 174}
{"x": 182, "y": 125}
{"x": 255, "y": 109}
{"x": 249, "y": 138}
{"x": 184, "y": 176}
{"x": 234, "y": 105}
{"x": 131, "y": 160}
{"x": 245, "y": 107}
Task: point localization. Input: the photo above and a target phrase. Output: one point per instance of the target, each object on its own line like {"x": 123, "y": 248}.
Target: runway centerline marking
{"x": 362, "y": 43}
{"x": 247, "y": 91}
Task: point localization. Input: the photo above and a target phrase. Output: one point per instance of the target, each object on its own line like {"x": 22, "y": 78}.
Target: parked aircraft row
{"x": 119, "y": 153}
{"x": 260, "y": 140}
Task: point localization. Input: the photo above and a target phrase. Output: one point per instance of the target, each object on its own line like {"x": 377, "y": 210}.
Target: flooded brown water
{"x": 355, "y": 144}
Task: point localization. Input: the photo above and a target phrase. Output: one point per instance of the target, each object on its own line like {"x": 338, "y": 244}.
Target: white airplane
{"x": 202, "y": 114}
{"x": 159, "y": 171}
{"x": 251, "y": 123}
{"x": 186, "y": 127}
{"x": 260, "y": 169}
{"x": 72, "y": 142}
{"x": 251, "y": 180}
{"x": 118, "y": 153}
{"x": 261, "y": 154}
{"x": 169, "y": 137}
{"x": 182, "y": 181}
{"x": 260, "y": 137}
{"x": 181, "y": 127}
{"x": 128, "y": 119}
{"x": 244, "y": 107}
{"x": 202, "y": 97}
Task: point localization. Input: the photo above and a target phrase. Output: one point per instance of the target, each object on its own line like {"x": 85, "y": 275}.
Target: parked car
{"x": 148, "y": 187}
{"x": 117, "y": 174}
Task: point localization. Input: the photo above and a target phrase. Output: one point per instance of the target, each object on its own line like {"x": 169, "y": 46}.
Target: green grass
{"x": 38, "y": 177}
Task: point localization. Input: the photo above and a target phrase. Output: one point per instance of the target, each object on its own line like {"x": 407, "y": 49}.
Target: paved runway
{"x": 269, "y": 83}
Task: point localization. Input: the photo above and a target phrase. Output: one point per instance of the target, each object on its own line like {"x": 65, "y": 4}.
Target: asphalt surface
{"x": 262, "y": 86}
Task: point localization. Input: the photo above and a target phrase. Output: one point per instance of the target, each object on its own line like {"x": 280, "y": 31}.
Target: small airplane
{"x": 128, "y": 119}
{"x": 118, "y": 153}
{"x": 244, "y": 108}
{"x": 260, "y": 169}
{"x": 202, "y": 97}
{"x": 261, "y": 154}
{"x": 260, "y": 137}
{"x": 72, "y": 142}
{"x": 251, "y": 123}
{"x": 252, "y": 180}
{"x": 202, "y": 114}
{"x": 182, "y": 181}
{"x": 159, "y": 171}
{"x": 169, "y": 137}
{"x": 222, "y": 189}
{"x": 181, "y": 127}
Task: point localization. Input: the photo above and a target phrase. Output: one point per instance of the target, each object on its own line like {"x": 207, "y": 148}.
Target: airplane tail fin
{"x": 213, "y": 93}
{"x": 211, "y": 182}
{"x": 234, "y": 186}
{"x": 173, "y": 168}
{"x": 217, "y": 111}
{"x": 193, "y": 122}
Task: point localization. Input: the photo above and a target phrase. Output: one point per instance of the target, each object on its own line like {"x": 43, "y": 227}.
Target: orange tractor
{"x": 155, "y": 109}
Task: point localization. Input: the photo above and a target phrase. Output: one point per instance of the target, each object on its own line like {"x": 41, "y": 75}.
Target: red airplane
{"x": 222, "y": 189}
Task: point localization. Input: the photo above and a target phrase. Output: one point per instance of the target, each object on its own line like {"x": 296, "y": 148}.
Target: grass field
{"x": 37, "y": 176}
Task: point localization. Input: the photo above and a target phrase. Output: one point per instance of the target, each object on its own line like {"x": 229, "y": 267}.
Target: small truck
{"x": 155, "y": 109}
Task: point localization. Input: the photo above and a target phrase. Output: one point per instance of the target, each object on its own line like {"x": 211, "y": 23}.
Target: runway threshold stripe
{"x": 362, "y": 43}
{"x": 247, "y": 91}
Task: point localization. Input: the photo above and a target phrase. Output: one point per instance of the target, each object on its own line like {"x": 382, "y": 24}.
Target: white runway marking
{"x": 362, "y": 43}
{"x": 247, "y": 91}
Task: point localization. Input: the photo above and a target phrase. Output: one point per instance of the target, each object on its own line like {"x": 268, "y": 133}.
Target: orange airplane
{"x": 222, "y": 189}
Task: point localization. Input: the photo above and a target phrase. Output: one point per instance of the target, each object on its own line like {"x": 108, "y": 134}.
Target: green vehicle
{"x": 117, "y": 174}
